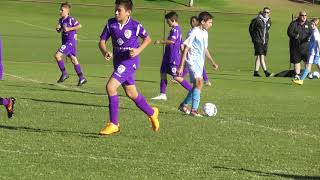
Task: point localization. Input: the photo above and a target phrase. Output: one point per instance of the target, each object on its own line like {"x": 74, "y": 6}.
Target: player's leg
{"x": 58, "y": 56}
{"x": 77, "y": 68}
{"x": 8, "y": 103}
{"x": 111, "y": 88}
{"x": 142, "y": 104}
{"x": 163, "y": 86}
{"x": 306, "y": 71}
{"x": 264, "y": 66}
{"x": 184, "y": 83}
{"x": 196, "y": 96}
{"x": 257, "y": 66}
{"x": 206, "y": 78}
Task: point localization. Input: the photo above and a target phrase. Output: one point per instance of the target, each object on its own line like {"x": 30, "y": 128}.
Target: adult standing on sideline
{"x": 259, "y": 32}
{"x": 299, "y": 32}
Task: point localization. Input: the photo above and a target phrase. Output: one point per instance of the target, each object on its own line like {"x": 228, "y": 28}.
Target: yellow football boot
{"x": 110, "y": 129}
{"x": 297, "y": 81}
{"x": 154, "y": 119}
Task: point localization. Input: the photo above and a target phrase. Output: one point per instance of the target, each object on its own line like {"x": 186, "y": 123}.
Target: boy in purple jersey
{"x": 1, "y": 66}
{"x": 171, "y": 58}
{"x": 125, "y": 33}
{"x": 68, "y": 27}
{"x": 8, "y": 103}
{"x": 193, "y": 23}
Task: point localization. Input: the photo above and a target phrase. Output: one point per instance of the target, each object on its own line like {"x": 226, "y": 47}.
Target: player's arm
{"x": 214, "y": 64}
{"x": 165, "y": 42}
{"x": 183, "y": 59}
{"x": 58, "y": 28}
{"x": 67, "y": 29}
{"x": 291, "y": 32}
{"x": 136, "y": 51}
{"x": 103, "y": 49}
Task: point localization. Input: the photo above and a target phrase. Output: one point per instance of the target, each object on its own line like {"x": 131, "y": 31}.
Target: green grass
{"x": 265, "y": 128}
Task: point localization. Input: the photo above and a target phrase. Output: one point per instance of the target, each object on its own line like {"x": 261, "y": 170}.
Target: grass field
{"x": 265, "y": 128}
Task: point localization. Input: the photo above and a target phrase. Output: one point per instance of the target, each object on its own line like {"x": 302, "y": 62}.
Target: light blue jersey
{"x": 313, "y": 47}
{"x": 197, "y": 41}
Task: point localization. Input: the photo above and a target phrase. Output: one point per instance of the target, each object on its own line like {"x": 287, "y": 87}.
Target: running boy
{"x": 68, "y": 27}
{"x": 171, "y": 58}
{"x": 314, "y": 48}
{"x": 194, "y": 53}
{"x": 8, "y": 103}
{"x": 125, "y": 33}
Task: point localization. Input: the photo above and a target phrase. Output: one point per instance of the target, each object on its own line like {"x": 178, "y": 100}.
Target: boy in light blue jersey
{"x": 314, "y": 48}
{"x": 194, "y": 54}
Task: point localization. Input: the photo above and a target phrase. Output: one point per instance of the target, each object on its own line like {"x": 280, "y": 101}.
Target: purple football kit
{"x": 125, "y": 37}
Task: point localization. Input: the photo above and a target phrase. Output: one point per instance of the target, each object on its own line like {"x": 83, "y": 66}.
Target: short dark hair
{"x": 65, "y": 5}
{"x": 173, "y": 16}
{"x": 204, "y": 16}
{"x": 128, "y": 5}
{"x": 193, "y": 17}
{"x": 266, "y": 8}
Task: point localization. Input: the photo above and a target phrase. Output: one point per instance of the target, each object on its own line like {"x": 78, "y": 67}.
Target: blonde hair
{"x": 315, "y": 21}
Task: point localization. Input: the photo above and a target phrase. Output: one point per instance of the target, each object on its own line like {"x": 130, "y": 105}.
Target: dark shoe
{"x": 63, "y": 78}
{"x": 82, "y": 82}
{"x": 256, "y": 75}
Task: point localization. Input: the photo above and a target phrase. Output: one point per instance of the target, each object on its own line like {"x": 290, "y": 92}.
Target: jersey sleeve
{"x": 74, "y": 22}
{"x": 190, "y": 38}
{"x": 141, "y": 32}
{"x": 174, "y": 35}
{"x": 105, "y": 33}
{"x": 206, "y": 42}
{"x": 317, "y": 36}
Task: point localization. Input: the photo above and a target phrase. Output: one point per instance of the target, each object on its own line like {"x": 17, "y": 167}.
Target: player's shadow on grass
{"x": 262, "y": 173}
{"x": 75, "y": 91}
{"x": 38, "y": 130}
{"x": 255, "y": 81}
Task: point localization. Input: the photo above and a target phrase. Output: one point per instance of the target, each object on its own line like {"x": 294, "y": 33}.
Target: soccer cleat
{"x": 109, "y": 129}
{"x": 10, "y": 106}
{"x": 268, "y": 74}
{"x": 184, "y": 108}
{"x": 160, "y": 97}
{"x": 297, "y": 81}
{"x": 207, "y": 83}
{"x": 154, "y": 119}
{"x": 82, "y": 82}
{"x": 62, "y": 78}
{"x": 195, "y": 113}
{"x": 256, "y": 75}
{"x": 296, "y": 77}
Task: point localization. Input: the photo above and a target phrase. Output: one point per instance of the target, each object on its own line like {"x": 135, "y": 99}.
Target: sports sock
{"x": 62, "y": 67}
{"x": 186, "y": 85}
{"x": 77, "y": 68}
{"x": 163, "y": 86}
{"x": 114, "y": 109}
{"x": 143, "y": 105}
{"x": 195, "y": 98}
{"x": 305, "y": 74}
{"x": 188, "y": 98}
{"x": 205, "y": 76}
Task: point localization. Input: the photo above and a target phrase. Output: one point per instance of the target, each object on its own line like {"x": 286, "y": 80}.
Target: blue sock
{"x": 305, "y": 74}
{"x": 188, "y": 99}
{"x": 195, "y": 98}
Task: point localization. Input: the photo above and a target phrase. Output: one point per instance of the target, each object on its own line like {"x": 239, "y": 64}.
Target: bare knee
{"x": 111, "y": 90}
{"x": 132, "y": 95}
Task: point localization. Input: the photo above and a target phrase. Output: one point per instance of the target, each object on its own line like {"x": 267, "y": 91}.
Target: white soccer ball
{"x": 316, "y": 75}
{"x": 209, "y": 109}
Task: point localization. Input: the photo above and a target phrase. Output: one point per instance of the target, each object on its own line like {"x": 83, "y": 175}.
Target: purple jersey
{"x": 71, "y": 35}
{"x": 124, "y": 37}
{"x": 172, "y": 51}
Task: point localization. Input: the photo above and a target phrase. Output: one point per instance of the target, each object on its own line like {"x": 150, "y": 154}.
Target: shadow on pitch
{"x": 75, "y": 91}
{"x": 38, "y": 130}
{"x": 255, "y": 81}
{"x": 261, "y": 173}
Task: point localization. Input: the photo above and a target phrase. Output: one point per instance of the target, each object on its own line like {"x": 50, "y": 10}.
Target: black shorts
{"x": 260, "y": 49}
{"x": 296, "y": 55}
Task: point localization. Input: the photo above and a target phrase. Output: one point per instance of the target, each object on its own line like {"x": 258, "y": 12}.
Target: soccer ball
{"x": 316, "y": 75}
{"x": 209, "y": 109}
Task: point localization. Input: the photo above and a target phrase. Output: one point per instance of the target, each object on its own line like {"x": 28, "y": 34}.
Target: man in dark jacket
{"x": 299, "y": 32}
{"x": 259, "y": 32}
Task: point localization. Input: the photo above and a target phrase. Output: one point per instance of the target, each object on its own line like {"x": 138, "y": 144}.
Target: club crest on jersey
{"x": 306, "y": 26}
{"x": 121, "y": 69}
{"x": 127, "y": 33}
{"x": 120, "y": 41}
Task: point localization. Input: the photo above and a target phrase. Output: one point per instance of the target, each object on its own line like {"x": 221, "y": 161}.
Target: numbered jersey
{"x": 172, "y": 51}
{"x": 124, "y": 37}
